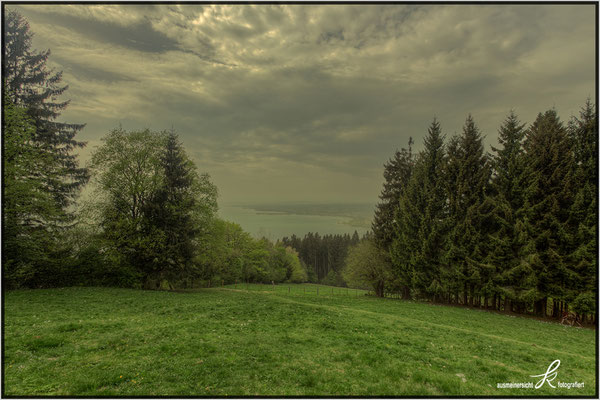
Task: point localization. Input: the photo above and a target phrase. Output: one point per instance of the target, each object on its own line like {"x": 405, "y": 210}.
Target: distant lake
{"x": 275, "y": 225}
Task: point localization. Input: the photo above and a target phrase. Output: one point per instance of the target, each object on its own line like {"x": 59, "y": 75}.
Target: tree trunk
{"x": 562, "y": 303}
{"x": 539, "y": 307}
{"x": 405, "y": 292}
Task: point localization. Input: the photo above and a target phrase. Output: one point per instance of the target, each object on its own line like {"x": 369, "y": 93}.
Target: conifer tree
{"x": 469, "y": 167}
{"x": 421, "y": 219}
{"x": 29, "y": 83}
{"x": 29, "y": 212}
{"x": 507, "y": 197}
{"x": 548, "y": 199}
{"x": 583, "y": 216}
{"x": 451, "y": 273}
{"x": 171, "y": 213}
{"x": 397, "y": 172}
{"x": 168, "y": 212}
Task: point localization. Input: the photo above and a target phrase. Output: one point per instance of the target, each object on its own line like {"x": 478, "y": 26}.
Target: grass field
{"x": 276, "y": 341}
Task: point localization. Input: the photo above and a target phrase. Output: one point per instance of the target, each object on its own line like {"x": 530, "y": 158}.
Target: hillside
{"x": 282, "y": 340}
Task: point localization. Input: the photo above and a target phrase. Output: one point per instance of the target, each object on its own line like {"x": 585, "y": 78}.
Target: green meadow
{"x": 263, "y": 340}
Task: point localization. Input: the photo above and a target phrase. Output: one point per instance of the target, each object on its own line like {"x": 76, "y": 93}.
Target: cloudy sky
{"x": 304, "y": 102}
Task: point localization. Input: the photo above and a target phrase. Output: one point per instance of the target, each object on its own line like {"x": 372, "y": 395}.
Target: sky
{"x": 305, "y": 103}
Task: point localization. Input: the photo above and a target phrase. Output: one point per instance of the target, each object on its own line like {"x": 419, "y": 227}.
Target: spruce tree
{"x": 405, "y": 244}
{"x": 422, "y": 218}
{"x": 29, "y": 211}
{"x": 451, "y": 272}
{"x": 468, "y": 175}
{"x": 511, "y": 276}
{"x": 29, "y": 83}
{"x": 397, "y": 172}
{"x": 583, "y": 216}
{"x": 169, "y": 214}
{"x": 549, "y": 196}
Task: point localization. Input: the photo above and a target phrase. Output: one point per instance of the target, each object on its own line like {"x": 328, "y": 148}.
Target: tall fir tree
{"x": 548, "y": 198}
{"x": 583, "y": 217}
{"x": 397, "y": 172}
{"x": 451, "y": 271}
{"x": 422, "y": 218}
{"x": 29, "y": 83}
{"x": 512, "y": 279}
{"x": 29, "y": 211}
{"x": 468, "y": 179}
{"x": 169, "y": 214}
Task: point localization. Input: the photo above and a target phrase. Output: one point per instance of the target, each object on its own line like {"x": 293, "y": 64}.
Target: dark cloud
{"x": 308, "y": 102}
{"x": 138, "y": 36}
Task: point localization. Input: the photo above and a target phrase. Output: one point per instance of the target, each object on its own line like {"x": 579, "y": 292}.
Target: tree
{"x": 30, "y": 213}
{"x": 366, "y": 264}
{"x": 323, "y": 256}
{"x": 467, "y": 179}
{"x": 154, "y": 208}
{"x": 426, "y": 198}
{"x": 583, "y": 218}
{"x": 548, "y": 198}
{"x": 30, "y": 84}
{"x": 513, "y": 278}
{"x": 169, "y": 213}
{"x": 128, "y": 173}
{"x": 222, "y": 255}
{"x": 397, "y": 172}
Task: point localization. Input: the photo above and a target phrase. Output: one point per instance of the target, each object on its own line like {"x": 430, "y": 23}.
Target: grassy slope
{"x": 266, "y": 341}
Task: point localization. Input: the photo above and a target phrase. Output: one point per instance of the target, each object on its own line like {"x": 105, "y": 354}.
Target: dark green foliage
{"x": 583, "y": 215}
{"x": 41, "y": 176}
{"x": 31, "y": 216}
{"x": 509, "y": 231}
{"x": 324, "y": 256}
{"x": 549, "y": 195}
{"x": 421, "y": 222}
{"x": 155, "y": 211}
{"x": 168, "y": 215}
{"x": 397, "y": 172}
{"x": 29, "y": 83}
{"x": 513, "y": 278}
{"x": 468, "y": 179}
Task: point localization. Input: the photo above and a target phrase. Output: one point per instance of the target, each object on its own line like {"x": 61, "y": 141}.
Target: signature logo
{"x": 548, "y": 376}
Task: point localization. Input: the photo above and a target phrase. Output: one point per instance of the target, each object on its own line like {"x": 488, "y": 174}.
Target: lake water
{"x": 274, "y": 225}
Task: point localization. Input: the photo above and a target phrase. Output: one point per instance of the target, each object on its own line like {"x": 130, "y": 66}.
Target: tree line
{"x": 513, "y": 230}
{"x": 323, "y": 257}
{"x": 151, "y": 219}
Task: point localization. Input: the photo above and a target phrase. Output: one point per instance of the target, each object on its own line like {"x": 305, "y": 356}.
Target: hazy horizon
{"x": 305, "y": 103}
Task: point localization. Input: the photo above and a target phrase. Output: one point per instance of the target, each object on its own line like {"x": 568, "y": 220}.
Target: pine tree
{"x": 583, "y": 213}
{"x": 29, "y": 83}
{"x": 548, "y": 199}
{"x": 468, "y": 175}
{"x": 421, "y": 220}
{"x": 29, "y": 212}
{"x": 451, "y": 272}
{"x": 397, "y": 172}
{"x": 169, "y": 214}
{"x": 510, "y": 276}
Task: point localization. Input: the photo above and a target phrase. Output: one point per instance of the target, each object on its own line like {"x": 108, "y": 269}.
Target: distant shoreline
{"x": 359, "y": 215}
